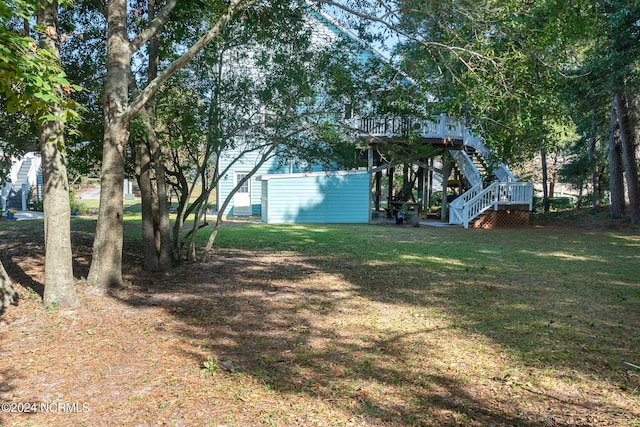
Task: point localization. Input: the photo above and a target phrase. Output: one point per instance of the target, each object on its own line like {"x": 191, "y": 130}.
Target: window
{"x": 245, "y": 187}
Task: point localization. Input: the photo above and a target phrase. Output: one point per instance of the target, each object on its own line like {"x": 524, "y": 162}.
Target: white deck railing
{"x": 441, "y": 126}
{"x": 467, "y": 207}
{"x": 500, "y": 170}
{"x": 467, "y": 167}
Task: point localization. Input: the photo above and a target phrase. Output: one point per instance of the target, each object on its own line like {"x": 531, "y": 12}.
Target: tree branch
{"x": 154, "y": 26}
{"x": 148, "y": 92}
{"x": 455, "y": 50}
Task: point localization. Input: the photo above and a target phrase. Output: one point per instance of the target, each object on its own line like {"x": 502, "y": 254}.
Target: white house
{"x": 24, "y": 176}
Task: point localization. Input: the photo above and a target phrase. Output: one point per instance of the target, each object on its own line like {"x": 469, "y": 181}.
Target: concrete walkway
{"x": 436, "y": 223}
{"x": 26, "y": 215}
{"x": 90, "y": 193}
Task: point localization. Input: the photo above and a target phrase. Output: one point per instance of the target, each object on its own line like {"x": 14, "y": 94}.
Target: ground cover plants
{"x": 364, "y": 325}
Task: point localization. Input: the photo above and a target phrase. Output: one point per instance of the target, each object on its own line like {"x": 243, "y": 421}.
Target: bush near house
{"x": 555, "y": 203}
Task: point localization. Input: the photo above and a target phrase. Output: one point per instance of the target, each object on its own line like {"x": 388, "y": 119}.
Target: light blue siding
{"x": 333, "y": 198}
{"x": 340, "y": 197}
{"x": 246, "y": 164}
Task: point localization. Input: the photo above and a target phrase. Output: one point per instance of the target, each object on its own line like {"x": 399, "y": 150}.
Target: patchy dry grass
{"x": 339, "y": 325}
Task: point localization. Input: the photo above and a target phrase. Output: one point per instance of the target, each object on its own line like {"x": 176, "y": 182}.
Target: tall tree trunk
{"x": 595, "y": 175}
{"x": 8, "y": 295}
{"x": 156, "y": 228}
{"x": 543, "y": 152}
{"x": 545, "y": 179}
{"x": 627, "y": 145}
{"x": 106, "y": 263}
{"x": 163, "y": 225}
{"x": 155, "y": 213}
{"x": 143, "y": 172}
{"x": 552, "y": 173}
{"x": 58, "y": 270}
{"x": 616, "y": 178}
{"x": 580, "y": 194}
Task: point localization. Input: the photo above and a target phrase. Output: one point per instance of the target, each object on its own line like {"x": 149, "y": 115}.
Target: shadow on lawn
{"x": 263, "y": 316}
{"x": 17, "y": 274}
{"x": 7, "y": 375}
{"x": 273, "y": 316}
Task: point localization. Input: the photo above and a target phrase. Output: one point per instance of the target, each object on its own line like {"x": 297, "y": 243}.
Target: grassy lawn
{"x": 340, "y": 325}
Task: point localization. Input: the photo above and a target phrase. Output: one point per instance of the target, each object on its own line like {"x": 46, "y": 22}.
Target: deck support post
{"x": 420, "y": 179}
{"x": 446, "y": 171}
{"x": 378, "y": 190}
{"x": 369, "y": 169}
{"x": 390, "y": 172}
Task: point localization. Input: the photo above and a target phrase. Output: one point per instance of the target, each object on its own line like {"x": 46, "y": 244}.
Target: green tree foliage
{"x": 608, "y": 71}
{"x": 34, "y": 85}
{"x": 496, "y": 63}
{"x": 28, "y": 73}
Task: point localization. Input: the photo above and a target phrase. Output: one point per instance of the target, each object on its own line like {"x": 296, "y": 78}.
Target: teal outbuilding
{"x": 316, "y": 197}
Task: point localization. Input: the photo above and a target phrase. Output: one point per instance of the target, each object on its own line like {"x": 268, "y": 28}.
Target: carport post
{"x": 370, "y": 173}
{"x": 25, "y": 189}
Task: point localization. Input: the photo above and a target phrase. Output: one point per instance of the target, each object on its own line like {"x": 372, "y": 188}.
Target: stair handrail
{"x": 466, "y": 208}
{"x": 499, "y": 169}
{"x": 515, "y": 193}
{"x": 509, "y": 193}
{"x": 467, "y": 167}
{"x": 456, "y": 206}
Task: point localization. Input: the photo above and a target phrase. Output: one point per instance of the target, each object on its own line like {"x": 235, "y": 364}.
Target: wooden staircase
{"x": 496, "y": 190}
{"x": 491, "y": 186}
{"x": 25, "y": 173}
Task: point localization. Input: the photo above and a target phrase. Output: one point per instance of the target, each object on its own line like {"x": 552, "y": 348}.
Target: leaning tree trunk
{"x": 106, "y": 263}
{"x": 212, "y": 237}
{"x": 8, "y": 295}
{"x": 155, "y": 212}
{"x": 58, "y": 270}
{"x": 149, "y": 244}
{"x": 627, "y": 145}
{"x": 616, "y": 178}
